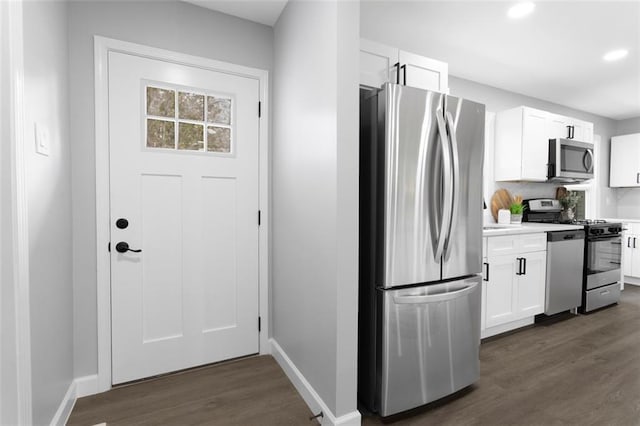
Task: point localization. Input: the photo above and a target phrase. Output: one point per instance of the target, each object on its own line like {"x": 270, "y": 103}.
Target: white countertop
{"x": 525, "y": 228}
{"x": 617, "y": 219}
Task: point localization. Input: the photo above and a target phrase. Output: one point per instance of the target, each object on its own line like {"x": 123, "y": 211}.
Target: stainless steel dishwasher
{"x": 565, "y": 258}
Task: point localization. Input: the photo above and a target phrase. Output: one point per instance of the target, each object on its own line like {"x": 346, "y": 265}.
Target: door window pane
{"x": 191, "y": 137}
{"x": 218, "y": 110}
{"x": 160, "y": 134}
{"x": 161, "y": 102}
{"x": 190, "y": 106}
{"x": 218, "y": 139}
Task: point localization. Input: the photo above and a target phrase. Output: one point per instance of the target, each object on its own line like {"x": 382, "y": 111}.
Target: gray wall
{"x": 628, "y": 126}
{"x": 49, "y": 205}
{"x": 314, "y": 198}
{"x": 497, "y": 100}
{"x": 628, "y": 198}
{"x": 169, "y": 25}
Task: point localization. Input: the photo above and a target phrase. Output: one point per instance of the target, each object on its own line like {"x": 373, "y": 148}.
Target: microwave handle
{"x": 590, "y": 166}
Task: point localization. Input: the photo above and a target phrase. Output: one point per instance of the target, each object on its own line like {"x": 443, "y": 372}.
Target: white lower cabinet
{"x": 631, "y": 253}
{"x": 514, "y": 282}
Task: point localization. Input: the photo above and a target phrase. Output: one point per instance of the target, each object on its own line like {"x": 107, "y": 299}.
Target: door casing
{"x": 102, "y": 47}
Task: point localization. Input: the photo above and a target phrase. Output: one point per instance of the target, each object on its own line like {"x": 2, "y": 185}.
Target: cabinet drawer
{"x": 533, "y": 242}
{"x": 511, "y": 244}
{"x": 498, "y": 246}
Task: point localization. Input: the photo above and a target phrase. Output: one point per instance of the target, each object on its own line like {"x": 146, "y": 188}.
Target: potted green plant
{"x": 516, "y": 208}
{"x": 568, "y": 201}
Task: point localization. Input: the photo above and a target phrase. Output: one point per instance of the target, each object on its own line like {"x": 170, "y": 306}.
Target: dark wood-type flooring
{"x": 581, "y": 371}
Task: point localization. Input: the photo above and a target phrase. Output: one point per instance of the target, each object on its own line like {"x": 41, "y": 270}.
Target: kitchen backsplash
{"x": 628, "y": 203}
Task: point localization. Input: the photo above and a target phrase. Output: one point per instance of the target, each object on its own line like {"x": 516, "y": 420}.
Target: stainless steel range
{"x": 603, "y": 254}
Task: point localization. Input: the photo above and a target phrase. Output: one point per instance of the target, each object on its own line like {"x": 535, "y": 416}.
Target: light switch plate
{"x": 42, "y": 140}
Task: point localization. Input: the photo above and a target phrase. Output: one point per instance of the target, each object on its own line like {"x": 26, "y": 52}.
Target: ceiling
{"x": 553, "y": 54}
{"x": 264, "y": 12}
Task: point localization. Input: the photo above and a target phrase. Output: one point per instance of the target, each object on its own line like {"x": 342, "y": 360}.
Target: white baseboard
{"x": 310, "y": 396}
{"x": 86, "y": 385}
{"x": 64, "y": 410}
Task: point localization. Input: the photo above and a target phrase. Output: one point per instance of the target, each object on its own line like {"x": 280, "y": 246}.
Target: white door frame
{"x": 102, "y": 47}
{"x": 11, "y": 20}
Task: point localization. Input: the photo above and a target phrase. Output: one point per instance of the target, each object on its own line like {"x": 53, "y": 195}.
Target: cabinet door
{"x": 424, "y": 73}
{"x": 627, "y": 255}
{"x": 500, "y": 298}
{"x": 531, "y": 285}
{"x": 635, "y": 256}
{"x": 625, "y": 161}
{"x": 557, "y": 127}
{"x": 376, "y": 63}
{"x": 535, "y": 145}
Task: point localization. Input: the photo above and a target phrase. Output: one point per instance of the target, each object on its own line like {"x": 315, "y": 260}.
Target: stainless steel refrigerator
{"x": 421, "y": 158}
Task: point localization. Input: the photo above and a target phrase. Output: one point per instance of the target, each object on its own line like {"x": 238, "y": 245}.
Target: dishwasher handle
{"x": 434, "y": 298}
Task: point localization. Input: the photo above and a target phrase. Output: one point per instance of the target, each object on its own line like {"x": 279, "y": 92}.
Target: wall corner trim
{"x": 66, "y": 406}
{"x": 308, "y": 393}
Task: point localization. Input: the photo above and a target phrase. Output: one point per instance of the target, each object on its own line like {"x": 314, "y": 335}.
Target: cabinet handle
{"x": 397, "y": 67}
{"x": 404, "y": 73}
{"x": 637, "y": 177}
{"x": 487, "y": 265}
{"x": 568, "y": 132}
{"x": 628, "y": 242}
{"x": 525, "y": 266}
{"x": 519, "y": 259}
{"x": 634, "y": 242}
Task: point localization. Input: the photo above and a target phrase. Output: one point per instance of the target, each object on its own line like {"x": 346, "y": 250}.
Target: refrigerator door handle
{"x": 445, "y": 223}
{"x": 434, "y": 298}
{"x": 455, "y": 202}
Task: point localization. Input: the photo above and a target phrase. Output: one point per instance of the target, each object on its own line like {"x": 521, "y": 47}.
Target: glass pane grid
{"x": 188, "y": 121}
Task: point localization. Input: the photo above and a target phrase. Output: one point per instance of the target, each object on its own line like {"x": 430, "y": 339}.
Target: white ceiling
{"x": 264, "y": 12}
{"x": 553, "y": 54}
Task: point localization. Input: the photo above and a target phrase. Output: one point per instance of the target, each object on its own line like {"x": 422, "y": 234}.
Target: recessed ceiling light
{"x": 521, "y": 9}
{"x": 614, "y": 55}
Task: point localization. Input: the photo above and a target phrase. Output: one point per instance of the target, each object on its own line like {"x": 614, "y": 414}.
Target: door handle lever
{"x": 123, "y": 247}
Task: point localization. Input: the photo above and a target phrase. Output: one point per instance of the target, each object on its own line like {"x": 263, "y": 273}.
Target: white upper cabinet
{"x": 376, "y": 63}
{"x": 625, "y": 161}
{"x": 521, "y": 146}
{"x": 522, "y": 141}
{"x": 380, "y": 63}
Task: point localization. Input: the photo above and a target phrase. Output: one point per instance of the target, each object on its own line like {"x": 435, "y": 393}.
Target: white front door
{"x": 183, "y": 190}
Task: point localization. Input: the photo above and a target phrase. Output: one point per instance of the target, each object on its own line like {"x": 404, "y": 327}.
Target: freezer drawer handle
{"x": 433, "y": 298}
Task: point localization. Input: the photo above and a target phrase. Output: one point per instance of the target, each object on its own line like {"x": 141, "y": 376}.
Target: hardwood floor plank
{"x": 581, "y": 371}
{"x": 252, "y": 391}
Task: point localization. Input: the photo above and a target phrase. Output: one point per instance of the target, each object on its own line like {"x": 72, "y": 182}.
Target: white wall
{"x": 8, "y": 353}
{"x": 49, "y": 205}
{"x": 169, "y": 25}
{"x": 315, "y": 195}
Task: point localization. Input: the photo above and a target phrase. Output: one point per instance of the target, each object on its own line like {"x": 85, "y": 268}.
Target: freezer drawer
{"x": 602, "y": 296}
{"x": 430, "y": 343}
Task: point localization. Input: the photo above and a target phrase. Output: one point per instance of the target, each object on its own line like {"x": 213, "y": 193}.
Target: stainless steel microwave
{"x": 570, "y": 161}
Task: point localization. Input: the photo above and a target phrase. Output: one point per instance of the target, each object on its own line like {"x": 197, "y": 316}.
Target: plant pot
{"x": 567, "y": 215}
{"x": 516, "y": 218}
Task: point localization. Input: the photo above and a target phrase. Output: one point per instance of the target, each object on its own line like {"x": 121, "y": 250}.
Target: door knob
{"x": 123, "y": 247}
